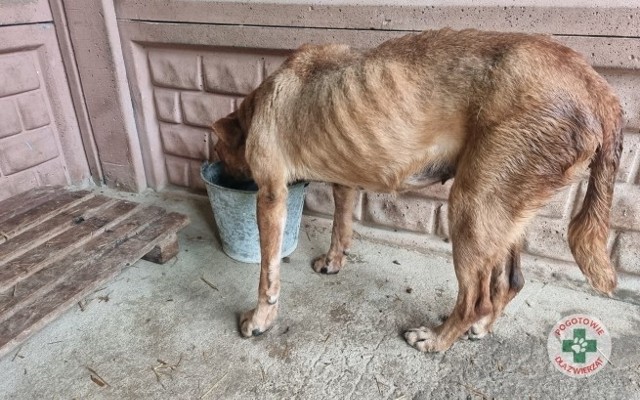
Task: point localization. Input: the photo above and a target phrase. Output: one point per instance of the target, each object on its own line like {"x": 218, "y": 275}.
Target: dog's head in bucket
{"x": 230, "y": 147}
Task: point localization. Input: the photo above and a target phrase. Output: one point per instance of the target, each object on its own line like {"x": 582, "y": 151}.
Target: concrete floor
{"x": 161, "y": 332}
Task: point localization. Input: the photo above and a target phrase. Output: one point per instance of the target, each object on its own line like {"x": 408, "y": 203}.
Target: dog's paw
{"x": 257, "y": 321}
{"x": 423, "y": 339}
{"x": 478, "y": 330}
{"x": 326, "y": 265}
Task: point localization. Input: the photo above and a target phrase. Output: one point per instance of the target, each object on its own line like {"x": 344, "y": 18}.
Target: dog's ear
{"x": 228, "y": 130}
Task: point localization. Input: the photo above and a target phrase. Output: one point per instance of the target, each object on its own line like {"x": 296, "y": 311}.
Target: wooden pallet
{"x": 57, "y": 246}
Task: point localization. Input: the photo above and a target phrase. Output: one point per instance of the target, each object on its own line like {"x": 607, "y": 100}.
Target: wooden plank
{"x": 59, "y": 246}
{"x": 164, "y": 251}
{"x": 12, "y": 299}
{"x": 20, "y": 203}
{"x": 43, "y": 309}
{"x": 39, "y": 234}
{"x": 20, "y": 223}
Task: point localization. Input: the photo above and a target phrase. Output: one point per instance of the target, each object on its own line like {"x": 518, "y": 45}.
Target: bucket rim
{"x": 207, "y": 164}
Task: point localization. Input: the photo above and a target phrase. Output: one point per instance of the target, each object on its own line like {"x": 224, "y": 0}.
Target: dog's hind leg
{"x": 482, "y": 233}
{"x": 506, "y": 281}
{"x": 508, "y": 172}
{"x": 331, "y": 263}
{"x": 271, "y": 215}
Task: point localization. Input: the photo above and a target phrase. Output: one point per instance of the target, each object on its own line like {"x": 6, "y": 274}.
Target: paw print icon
{"x": 579, "y": 345}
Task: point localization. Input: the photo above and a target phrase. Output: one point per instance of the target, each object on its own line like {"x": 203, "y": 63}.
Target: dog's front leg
{"x": 336, "y": 257}
{"x": 271, "y": 213}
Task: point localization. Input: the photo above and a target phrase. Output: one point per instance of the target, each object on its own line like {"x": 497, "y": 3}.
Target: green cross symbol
{"x": 579, "y": 346}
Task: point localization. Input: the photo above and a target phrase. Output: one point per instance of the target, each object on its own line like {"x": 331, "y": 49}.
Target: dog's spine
{"x": 589, "y": 229}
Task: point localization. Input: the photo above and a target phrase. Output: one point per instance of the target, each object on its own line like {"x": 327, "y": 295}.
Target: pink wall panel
{"x": 191, "y": 90}
{"x": 39, "y": 139}
{"x": 184, "y": 81}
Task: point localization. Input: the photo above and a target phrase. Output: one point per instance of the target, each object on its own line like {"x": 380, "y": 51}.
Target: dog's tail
{"x": 589, "y": 229}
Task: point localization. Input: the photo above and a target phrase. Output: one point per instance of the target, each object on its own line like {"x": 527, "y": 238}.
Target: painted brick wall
{"x": 192, "y": 89}
{"x": 30, "y": 152}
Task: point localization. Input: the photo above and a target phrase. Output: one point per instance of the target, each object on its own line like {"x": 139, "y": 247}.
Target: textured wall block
{"x": 237, "y": 103}
{"x": 7, "y": 190}
{"x": 51, "y": 173}
{"x": 436, "y": 191}
{"x": 167, "y": 105}
{"x": 442, "y": 221}
{"x": 203, "y": 109}
{"x": 560, "y": 204}
{"x": 175, "y": 69}
{"x": 26, "y": 150}
{"x": 319, "y": 199}
{"x": 579, "y": 198}
{"x": 17, "y": 74}
{"x": 9, "y": 120}
{"x": 272, "y": 63}
{"x": 116, "y": 175}
{"x": 548, "y": 237}
{"x": 178, "y": 170}
{"x": 626, "y": 252}
{"x": 18, "y": 183}
{"x": 213, "y": 139}
{"x": 630, "y": 159}
{"x": 33, "y": 110}
{"x": 184, "y": 141}
{"x": 232, "y": 73}
{"x": 626, "y": 207}
{"x": 195, "y": 181}
{"x": 626, "y": 86}
{"x": 402, "y": 212}
{"x": 184, "y": 172}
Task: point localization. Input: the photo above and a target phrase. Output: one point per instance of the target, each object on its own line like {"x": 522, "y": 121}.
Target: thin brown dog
{"x": 513, "y": 117}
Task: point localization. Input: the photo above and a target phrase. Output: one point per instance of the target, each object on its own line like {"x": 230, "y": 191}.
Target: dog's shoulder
{"x": 309, "y": 60}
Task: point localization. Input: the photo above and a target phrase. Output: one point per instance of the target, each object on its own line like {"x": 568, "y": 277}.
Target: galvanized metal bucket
{"x": 234, "y": 211}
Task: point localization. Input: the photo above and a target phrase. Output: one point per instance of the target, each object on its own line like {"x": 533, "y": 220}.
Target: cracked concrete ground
{"x": 170, "y": 331}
